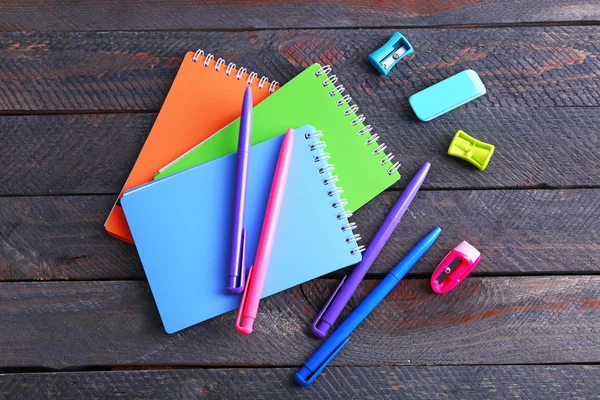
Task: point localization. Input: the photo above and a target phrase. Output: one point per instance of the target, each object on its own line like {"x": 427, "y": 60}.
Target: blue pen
{"x": 338, "y": 339}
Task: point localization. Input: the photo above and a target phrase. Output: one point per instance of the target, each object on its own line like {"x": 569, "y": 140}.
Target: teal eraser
{"x": 446, "y": 95}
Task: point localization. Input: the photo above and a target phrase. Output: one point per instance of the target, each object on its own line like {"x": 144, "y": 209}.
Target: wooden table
{"x": 81, "y": 83}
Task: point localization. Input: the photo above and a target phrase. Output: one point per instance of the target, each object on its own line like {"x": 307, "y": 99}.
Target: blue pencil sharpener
{"x": 384, "y": 58}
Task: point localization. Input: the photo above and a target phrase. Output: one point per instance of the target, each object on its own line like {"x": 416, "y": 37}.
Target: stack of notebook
{"x": 177, "y": 204}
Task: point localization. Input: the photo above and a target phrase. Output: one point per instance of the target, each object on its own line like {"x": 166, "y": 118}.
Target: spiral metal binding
{"x": 240, "y": 73}
{"x": 332, "y": 179}
{"x": 338, "y": 89}
{"x": 339, "y": 203}
{"x": 355, "y": 237}
{"x": 357, "y": 120}
{"x": 318, "y": 145}
{"x": 197, "y": 54}
{"x": 344, "y": 214}
{"x": 365, "y": 129}
{"x": 360, "y": 119}
{"x": 324, "y": 156}
{"x": 251, "y": 77}
{"x": 350, "y": 226}
{"x": 358, "y": 249}
{"x": 335, "y": 191}
{"x": 263, "y": 80}
{"x": 325, "y": 70}
{"x": 352, "y": 109}
{"x": 218, "y": 64}
{"x": 230, "y": 68}
{"x": 326, "y": 168}
{"x": 207, "y": 59}
{"x": 346, "y": 99}
{"x": 273, "y": 85}
{"x": 330, "y": 79}
{"x": 312, "y": 134}
{"x": 372, "y": 139}
{"x": 388, "y": 157}
{"x": 379, "y": 149}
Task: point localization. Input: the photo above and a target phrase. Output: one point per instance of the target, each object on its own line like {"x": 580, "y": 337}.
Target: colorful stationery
{"x": 388, "y": 55}
{"x": 258, "y": 272}
{"x": 338, "y": 339}
{"x": 361, "y": 164}
{"x": 237, "y": 263}
{"x": 205, "y": 96}
{"x": 182, "y": 227}
{"x": 348, "y": 285}
{"x": 447, "y": 95}
{"x": 471, "y": 150}
{"x": 446, "y": 277}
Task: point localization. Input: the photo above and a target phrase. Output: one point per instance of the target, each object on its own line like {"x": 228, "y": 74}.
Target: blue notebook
{"x": 182, "y": 228}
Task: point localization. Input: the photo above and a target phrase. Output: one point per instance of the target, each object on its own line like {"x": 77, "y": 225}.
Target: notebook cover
{"x": 200, "y": 101}
{"x": 305, "y": 100}
{"x": 182, "y": 230}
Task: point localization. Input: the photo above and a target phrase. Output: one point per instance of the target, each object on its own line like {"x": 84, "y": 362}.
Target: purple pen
{"x": 348, "y": 285}
{"x": 237, "y": 267}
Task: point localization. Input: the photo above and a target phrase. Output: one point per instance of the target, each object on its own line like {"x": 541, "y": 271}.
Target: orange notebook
{"x": 206, "y": 95}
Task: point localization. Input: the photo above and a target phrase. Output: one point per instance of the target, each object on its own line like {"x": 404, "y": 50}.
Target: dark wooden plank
{"x": 464, "y": 382}
{"x": 517, "y": 231}
{"x": 551, "y": 66}
{"x": 67, "y": 154}
{"x": 37, "y": 15}
{"x": 88, "y": 154}
{"x": 62, "y": 238}
{"x": 488, "y": 321}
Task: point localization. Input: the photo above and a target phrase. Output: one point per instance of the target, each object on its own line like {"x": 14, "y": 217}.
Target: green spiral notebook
{"x": 362, "y": 167}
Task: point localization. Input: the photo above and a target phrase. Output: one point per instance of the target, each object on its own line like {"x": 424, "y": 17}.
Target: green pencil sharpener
{"x": 470, "y": 149}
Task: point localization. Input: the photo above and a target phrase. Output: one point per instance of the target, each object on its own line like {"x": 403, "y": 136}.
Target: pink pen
{"x": 258, "y": 272}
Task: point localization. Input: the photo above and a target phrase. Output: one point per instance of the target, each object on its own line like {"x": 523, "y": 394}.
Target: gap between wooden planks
{"x": 37, "y": 15}
{"x": 517, "y": 231}
{"x": 501, "y": 320}
{"x": 129, "y": 71}
{"x": 465, "y": 382}
{"x": 550, "y": 147}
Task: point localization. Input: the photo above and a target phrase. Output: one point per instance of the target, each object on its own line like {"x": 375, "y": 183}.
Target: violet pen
{"x": 237, "y": 267}
{"x": 348, "y": 285}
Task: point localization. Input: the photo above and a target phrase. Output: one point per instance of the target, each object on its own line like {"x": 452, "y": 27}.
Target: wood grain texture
{"x": 488, "y": 321}
{"x": 39, "y": 15}
{"x": 95, "y": 78}
{"x": 45, "y": 238}
{"x": 447, "y": 382}
{"x": 535, "y": 147}
{"x": 69, "y": 154}
{"x": 517, "y": 231}
{"x": 533, "y": 67}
